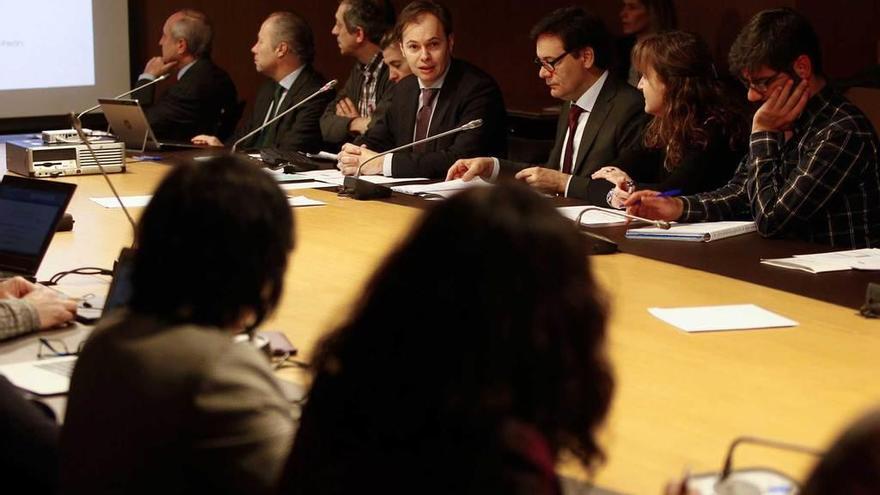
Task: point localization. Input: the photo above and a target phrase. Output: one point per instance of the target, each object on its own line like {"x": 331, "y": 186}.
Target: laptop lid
{"x": 30, "y": 210}
{"x": 129, "y": 123}
{"x": 89, "y": 311}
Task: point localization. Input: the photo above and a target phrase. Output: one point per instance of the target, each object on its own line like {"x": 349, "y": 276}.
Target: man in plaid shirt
{"x": 25, "y": 307}
{"x": 812, "y": 168}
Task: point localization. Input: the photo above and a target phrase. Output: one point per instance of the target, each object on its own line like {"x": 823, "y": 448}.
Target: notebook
{"x": 694, "y": 232}
{"x": 130, "y": 125}
{"x": 30, "y": 211}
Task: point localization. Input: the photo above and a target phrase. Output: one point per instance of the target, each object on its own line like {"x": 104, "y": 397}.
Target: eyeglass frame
{"x": 550, "y": 65}
{"x": 762, "y": 85}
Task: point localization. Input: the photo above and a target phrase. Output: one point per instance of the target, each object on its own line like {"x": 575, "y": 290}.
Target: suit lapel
{"x": 594, "y": 123}
{"x": 293, "y": 96}
{"x": 439, "y": 121}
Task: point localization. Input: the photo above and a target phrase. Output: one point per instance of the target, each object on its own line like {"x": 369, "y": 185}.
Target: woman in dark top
{"x": 697, "y": 136}
{"x": 474, "y": 358}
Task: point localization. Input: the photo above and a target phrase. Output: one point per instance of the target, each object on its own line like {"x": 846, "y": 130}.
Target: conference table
{"x": 680, "y": 398}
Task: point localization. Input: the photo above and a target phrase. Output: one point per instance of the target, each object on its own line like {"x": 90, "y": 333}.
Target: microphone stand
{"x": 660, "y": 224}
{"x": 362, "y": 189}
{"x": 142, "y": 86}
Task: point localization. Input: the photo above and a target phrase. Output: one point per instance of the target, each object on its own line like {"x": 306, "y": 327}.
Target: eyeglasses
{"x": 550, "y": 65}
{"x": 762, "y": 84}
{"x": 56, "y": 348}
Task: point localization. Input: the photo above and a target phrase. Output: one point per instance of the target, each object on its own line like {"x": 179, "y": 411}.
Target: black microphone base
{"x": 364, "y": 190}
{"x": 599, "y": 244}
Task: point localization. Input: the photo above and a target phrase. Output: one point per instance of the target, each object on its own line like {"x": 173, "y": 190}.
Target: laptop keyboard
{"x": 63, "y": 368}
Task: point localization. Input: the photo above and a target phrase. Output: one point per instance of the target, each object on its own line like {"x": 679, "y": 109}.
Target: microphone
{"x": 660, "y": 224}
{"x": 327, "y": 87}
{"x": 142, "y": 86}
{"x": 77, "y": 126}
{"x": 361, "y": 189}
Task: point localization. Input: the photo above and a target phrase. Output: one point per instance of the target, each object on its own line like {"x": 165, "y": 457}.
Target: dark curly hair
{"x": 695, "y": 100}
{"x": 487, "y": 312}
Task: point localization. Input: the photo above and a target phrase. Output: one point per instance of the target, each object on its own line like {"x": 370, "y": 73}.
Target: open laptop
{"x": 51, "y": 376}
{"x": 129, "y": 123}
{"x": 30, "y": 211}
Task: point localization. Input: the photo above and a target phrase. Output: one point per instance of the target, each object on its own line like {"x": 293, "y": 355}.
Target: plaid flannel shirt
{"x": 367, "y": 100}
{"x": 17, "y": 317}
{"x": 822, "y": 185}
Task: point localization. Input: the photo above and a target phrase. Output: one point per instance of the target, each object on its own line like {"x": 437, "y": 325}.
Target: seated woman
{"x": 697, "y": 136}
{"x": 474, "y": 358}
{"x": 162, "y": 400}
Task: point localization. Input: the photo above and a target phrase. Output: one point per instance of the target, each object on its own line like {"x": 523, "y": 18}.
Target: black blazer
{"x": 616, "y": 124}
{"x": 468, "y": 93}
{"x": 299, "y": 130}
{"x": 191, "y": 106}
{"x": 335, "y": 128}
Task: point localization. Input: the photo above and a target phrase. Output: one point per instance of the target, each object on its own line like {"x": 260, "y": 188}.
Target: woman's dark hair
{"x": 775, "y": 38}
{"x": 578, "y": 28}
{"x": 695, "y": 98}
{"x": 852, "y": 465}
{"x": 213, "y": 242}
{"x": 486, "y": 312}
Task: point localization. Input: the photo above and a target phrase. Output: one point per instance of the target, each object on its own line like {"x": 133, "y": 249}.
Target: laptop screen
{"x": 30, "y": 210}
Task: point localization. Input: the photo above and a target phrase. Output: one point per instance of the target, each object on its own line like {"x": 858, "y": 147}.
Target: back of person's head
{"x": 212, "y": 245}
{"x": 662, "y": 15}
{"x": 693, "y": 93}
{"x": 195, "y": 28}
{"x": 578, "y": 28}
{"x": 375, "y": 17}
{"x": 414, "y": 11}
{"x": 291, "y": 28}
{"x": 775, "y": 38}
{"x": 852, "y": 464}
{"x": 486, "y": 312}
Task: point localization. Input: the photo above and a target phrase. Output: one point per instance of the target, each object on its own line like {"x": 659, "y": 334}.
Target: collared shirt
{"x": 17, "y": 316}
{"x": 367, "y": 99}
{"x": 438, "y": 84}
{"x": 286, "y": 82}
{"x": 822, "y": 185}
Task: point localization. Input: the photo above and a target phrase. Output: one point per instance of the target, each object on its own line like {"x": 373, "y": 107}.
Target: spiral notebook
{"x": 694, "y": 232}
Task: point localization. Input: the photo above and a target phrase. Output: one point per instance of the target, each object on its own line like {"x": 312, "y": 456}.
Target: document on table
{"x": 312, "y": 184}
{"x": 696, "y": 232}
{"x": 719, "y": 318}
{"x": 594, "y": 217}
{"x": 297, "y": 201}
{"x": 128, "y": 201}
{"x": 441, "y": 189}
{"x": 280, "y": 176}
{"x": 336, "y": 177}
{"x": 859, "y": 259}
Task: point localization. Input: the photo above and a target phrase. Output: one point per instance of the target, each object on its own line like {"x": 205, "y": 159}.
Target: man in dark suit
{"x": 446, "y": 93}
{"x": 601, "y": 116}
{"x": 284, "y": 52}
{"x": 203, "y": 93}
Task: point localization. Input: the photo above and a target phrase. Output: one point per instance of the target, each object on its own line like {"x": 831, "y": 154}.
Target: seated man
{"x": 26, "y": 307}
{"x": 812, "y": 171}
{"x": 601, "y": 116}
{"x": 358, "y": 30}
{"x": 284, "y": 52}
{"x": 446, "y": 93}
{"x": 393, "y": 58}
{"x": 203, "y": 91}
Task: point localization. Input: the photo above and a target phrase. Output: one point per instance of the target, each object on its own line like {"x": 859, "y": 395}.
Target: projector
{"x": 34, "y": 158}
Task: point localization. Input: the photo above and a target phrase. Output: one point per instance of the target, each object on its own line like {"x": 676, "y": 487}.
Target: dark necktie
{"x": 263, "y": 139}
{"x": 573, "y": 115}
{"x": 423, "y": 118}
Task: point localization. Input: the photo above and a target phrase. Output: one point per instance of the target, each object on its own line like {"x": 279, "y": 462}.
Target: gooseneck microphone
{"x": 323, "y": 89}
{"x": 142, "y": 86}
{"x": 362, "y": 189}
{"x": 660, "y": 224}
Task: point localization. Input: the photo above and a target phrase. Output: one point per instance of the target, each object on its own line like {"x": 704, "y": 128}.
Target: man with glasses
{"x": 601, "y": 118}
{"x": 446, "y": 93}
{"x": 812, "y": 168}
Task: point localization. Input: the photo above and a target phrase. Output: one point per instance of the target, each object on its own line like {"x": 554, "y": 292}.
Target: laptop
{"x": 129, "y": 123}
{"x": 30, "y": 211}
{"x": 51, "y": 376}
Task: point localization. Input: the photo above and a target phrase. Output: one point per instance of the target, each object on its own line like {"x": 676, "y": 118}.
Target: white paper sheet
{"x": 336, "y": 178}
{"x": 718, "y": 318}
{"x": 444, "y": 189}
{"x": 860, "y": 259}
{"x": 594, "y": 217}
{"x": 312, "y": 184}
{"x": 297, "y": 201}
{"x": 128, "y": 201}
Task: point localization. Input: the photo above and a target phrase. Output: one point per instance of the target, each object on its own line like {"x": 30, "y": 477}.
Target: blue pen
{"x": 669, "y": 193}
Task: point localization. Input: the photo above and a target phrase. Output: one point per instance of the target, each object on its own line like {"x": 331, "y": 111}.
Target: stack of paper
{"x": 298, "y": 201}
{"x": 336, "y": 177}
{"x": 128, "y": 201}
{"x": 859, "y": 259}
{"x": 695, "y": 232}
{"x": 595, "y": 215}
{"x": 717, "y": 318}
{"x": 439, "y": 190}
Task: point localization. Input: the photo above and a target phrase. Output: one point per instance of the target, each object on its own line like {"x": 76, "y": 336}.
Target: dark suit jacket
{"x": 468, "y": 93}
{"x": 297, "y": 131}
{"x": 29, "y": 457}
{"x": 335, "y": 128}
{"x": 192, "y": 105}
{"x": 615, "y": 125}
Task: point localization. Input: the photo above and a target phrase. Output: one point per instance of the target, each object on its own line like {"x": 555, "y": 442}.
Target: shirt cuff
{"x": 496, "y": 169}
{"x": 568, "y": 184}
{"x": 386, "y": 165}
{"x": 765, "y": 144}
{"x": 149, "y": 77}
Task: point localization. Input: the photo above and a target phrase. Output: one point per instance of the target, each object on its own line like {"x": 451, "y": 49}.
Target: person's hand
{"x": 623, "y": 184}
{"x": 782, "y": 107}
{"x": 650, "y": 204}
{"x": 205, "y": 139}
{"x": 544, "y": 179}
{"x": 359, "y": 125}
{"x": 352, "y": 156}
{"x": 15, "y": 288}
{"x": 468, "y": 168}
{"x": 345, "y": 108}
{"x": 52, "y": 307}
{"x": 157, "y": 67}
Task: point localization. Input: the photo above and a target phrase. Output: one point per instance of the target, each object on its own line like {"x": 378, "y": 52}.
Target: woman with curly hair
{"x": 697, "y": 136}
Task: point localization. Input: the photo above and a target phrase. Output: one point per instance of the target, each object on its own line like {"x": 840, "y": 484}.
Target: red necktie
{"x": 573, "y": 114}
{"x": 423, "y": 118}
